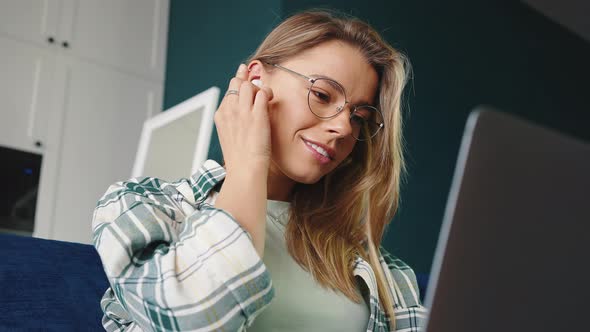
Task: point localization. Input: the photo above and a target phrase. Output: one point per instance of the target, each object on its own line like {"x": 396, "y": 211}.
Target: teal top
{"x": 300, "y": 303}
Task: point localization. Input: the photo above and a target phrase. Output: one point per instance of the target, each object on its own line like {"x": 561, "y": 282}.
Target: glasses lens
{"x": 366, "y": 122}
{"x": 325, "y": 98}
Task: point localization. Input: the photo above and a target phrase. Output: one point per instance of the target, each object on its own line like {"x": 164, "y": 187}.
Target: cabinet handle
{"x": 50, "y": 40}
{"x": 65, "y": 44}
{"x": 38, "y": 144}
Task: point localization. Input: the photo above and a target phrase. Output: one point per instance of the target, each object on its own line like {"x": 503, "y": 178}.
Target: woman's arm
{"x": 174, "y": 263}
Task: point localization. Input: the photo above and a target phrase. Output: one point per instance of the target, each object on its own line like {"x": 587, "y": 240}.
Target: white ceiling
{"x": 572, "y": 14}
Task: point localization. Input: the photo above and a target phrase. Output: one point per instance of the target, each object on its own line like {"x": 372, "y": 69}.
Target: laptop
{"x": 514, "y": 247}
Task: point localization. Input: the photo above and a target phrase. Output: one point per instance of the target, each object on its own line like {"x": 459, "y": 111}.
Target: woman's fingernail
{"x": 241, "y": 68}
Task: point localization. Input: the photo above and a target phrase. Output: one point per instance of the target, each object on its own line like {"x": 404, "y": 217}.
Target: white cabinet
{"x": 102, "y": 114}
{"x": 79, "y": 100}
{"x": 127, "y": 35}
{"x": 30, "y": 20}
{"x": 26, "y": 83}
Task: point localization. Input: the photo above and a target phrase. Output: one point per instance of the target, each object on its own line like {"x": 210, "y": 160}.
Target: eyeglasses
{"x": 326, "y": 99}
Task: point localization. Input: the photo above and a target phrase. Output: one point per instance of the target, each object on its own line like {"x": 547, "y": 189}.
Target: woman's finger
{"x": 261, "y": 102}
{"x": 233, "y": 91}
{"x": 234, "y": 84}
{"x": 236, "y": 81}
{"x": 247, "y": 92}
{"x": 242, "y": 72}
{"x": 268, "y": 92}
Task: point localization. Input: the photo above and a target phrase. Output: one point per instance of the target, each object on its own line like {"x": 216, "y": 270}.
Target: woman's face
{"x": 291, "y": 120}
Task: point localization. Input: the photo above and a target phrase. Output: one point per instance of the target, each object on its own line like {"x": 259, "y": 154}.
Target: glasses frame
{"x": 340, "y": 108}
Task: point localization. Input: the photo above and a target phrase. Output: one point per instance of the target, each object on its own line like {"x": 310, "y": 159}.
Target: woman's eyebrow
{"x": 323, "y": 76}
{"x": 360, "y": 103}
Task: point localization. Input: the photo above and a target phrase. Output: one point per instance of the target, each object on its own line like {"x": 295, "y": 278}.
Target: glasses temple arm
{"x": 293, "y": 72}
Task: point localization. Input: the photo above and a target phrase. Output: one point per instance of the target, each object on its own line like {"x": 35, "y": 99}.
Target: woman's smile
{"x": 317, "y": 152}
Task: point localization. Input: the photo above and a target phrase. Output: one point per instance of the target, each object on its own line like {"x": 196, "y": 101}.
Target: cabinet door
{"x": 26, "y": 92}
{"x": 29, "y": 20}
{"x": 103, "y": 114}
{"x": 129, "y": 35}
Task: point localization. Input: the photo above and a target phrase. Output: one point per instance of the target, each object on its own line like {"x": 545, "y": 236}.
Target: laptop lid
{"x": 515, "y": 239}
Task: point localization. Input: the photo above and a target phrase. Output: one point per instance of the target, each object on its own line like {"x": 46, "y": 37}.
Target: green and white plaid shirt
{"x": 175, "y": 263}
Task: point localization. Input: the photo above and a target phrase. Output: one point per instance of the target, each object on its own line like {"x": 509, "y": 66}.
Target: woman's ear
{"x": 256, "y": 71}
{"x": 259, "y": 76}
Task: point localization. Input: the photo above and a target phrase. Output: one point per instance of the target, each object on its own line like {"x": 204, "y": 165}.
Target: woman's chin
{"x": 306, "y": 178}
{"x": 300, "y": 170}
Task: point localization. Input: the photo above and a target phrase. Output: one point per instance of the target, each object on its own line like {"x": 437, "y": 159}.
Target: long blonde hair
{"x": 361, "y": 195}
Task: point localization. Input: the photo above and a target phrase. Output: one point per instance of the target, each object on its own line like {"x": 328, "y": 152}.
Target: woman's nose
{"x": 340, "y": 123}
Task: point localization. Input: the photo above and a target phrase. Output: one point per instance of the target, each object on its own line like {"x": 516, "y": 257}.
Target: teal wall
{"x": 206, "y": 43}
{"x": 464, "y": 53}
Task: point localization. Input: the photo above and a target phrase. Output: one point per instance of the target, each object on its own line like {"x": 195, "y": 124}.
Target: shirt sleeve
{"x": 174, "y": 263}
{"x": 411, "y": 315}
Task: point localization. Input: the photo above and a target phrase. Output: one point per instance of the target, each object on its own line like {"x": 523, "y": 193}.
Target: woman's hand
{"x": 243, "y": 125}
{"x": 244, "y": 134}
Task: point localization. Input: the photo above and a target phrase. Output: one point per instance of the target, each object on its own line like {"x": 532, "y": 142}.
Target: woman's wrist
{"x": 244, "y": 195}
{"x": 259, "y": 168}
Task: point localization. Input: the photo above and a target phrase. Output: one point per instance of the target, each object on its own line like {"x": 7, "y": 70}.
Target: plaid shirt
{"x": 176, "y": 263}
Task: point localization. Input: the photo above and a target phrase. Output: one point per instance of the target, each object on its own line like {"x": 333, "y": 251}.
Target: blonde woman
{"x": 285, "y": 235}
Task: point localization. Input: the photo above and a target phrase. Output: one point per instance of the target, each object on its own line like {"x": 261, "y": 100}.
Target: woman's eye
{"x": 363, "y": 114}
{"x": 358, "y": 119}
{"x": 321, "y": 96}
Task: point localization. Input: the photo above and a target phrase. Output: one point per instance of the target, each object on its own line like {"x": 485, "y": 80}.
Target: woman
{"x": 285, "y": 236}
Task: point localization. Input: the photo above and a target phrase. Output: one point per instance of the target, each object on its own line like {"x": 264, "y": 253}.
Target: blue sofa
{"x": 48, "y": 285}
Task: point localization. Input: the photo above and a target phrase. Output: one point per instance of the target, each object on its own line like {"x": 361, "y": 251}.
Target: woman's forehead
{"x": 341, "y": 62}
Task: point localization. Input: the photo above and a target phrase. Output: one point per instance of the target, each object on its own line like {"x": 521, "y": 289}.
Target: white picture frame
{"x": 205, "y": 103}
